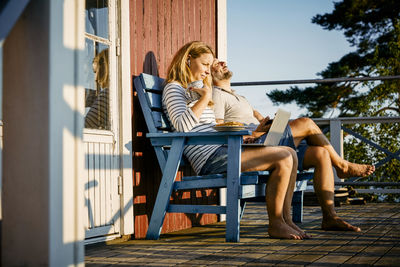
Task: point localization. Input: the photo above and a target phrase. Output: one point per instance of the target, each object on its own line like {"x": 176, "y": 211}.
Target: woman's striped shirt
{"x": 177, "y": 104}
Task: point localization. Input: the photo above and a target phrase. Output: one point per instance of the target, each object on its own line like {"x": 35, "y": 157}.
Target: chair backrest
{"x": 149, "y": 89}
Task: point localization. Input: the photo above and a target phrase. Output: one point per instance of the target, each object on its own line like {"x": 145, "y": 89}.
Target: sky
{"x": 272, "y": 40}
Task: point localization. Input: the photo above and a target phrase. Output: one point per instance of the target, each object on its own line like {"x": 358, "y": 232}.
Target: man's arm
{"x": 258, "y": 115}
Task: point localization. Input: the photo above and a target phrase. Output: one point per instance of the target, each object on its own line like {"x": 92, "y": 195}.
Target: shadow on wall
{"x": 150, "y": 65}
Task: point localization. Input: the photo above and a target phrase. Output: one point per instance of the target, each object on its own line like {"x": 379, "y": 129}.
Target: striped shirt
{"x": 177, "y": 105}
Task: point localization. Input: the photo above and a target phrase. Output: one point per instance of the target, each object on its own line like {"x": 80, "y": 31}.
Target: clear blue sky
{"x": 275, "y": 40}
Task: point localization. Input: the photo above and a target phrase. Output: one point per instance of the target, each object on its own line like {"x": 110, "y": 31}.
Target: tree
{"x": 373, "y": 28}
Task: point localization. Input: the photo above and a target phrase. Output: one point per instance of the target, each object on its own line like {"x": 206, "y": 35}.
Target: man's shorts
{"x": 218, "y": 161}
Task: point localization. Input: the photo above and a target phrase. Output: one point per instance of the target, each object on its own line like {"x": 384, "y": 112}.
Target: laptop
{"x": 276, "y": 130}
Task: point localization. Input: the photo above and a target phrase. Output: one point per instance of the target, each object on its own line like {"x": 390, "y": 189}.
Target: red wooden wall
{"x": 158, "y": 29}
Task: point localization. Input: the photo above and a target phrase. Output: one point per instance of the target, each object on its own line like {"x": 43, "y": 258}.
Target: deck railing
{"x": 337, "y": 127}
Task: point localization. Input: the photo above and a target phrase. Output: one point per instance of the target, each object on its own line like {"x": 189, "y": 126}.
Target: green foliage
{"x": 373, "y": 28}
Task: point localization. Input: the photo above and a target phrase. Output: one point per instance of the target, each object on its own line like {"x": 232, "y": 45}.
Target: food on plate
{"x": 230, "y": 123}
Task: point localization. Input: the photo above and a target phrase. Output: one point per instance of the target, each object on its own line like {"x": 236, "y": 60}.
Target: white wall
{"x": 43, "y": 119}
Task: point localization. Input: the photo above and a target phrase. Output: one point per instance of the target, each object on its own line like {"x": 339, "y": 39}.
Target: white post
{"x": 222, "y": 30}
{"x": 222, "y": 54}
{"x": 126, "y": 127}
{"x": 336, "y": 140}
{"x": 43, "y": 122}
{"x": 1, "y": 125}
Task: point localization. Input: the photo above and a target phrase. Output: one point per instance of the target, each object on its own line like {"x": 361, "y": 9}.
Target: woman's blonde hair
{"x": 179, "y": 70}
{"x": 101, "y": 59}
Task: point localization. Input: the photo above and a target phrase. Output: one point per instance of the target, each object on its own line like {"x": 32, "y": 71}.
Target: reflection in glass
{"x": 88, "y": 74}
{"x": 96, "y": 16}
{"x": 97, "y": 99}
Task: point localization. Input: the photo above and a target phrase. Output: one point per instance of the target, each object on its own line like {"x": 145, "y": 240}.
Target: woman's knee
{"x": 292, "y": 153}
{"x": 286, "y": 160}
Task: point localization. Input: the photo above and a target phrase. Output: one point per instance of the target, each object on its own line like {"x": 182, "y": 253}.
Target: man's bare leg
{"x": 319, "y": 158}
{"x": 305, "y": 128}
{"x": 279, "y": 162}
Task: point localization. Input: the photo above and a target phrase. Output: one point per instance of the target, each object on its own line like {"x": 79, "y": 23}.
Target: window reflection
{"x": 97, "y": 99}
{"x": 96, "y": 16}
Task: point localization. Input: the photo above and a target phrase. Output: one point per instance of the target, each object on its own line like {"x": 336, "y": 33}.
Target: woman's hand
{"x": 203, "y": 92}
{"x": 205, "y": 99}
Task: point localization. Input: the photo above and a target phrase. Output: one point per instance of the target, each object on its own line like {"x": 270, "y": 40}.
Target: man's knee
{"x": 320, "y": 153}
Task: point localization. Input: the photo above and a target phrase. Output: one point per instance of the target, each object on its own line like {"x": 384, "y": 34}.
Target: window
{"x": 97, "y": 65}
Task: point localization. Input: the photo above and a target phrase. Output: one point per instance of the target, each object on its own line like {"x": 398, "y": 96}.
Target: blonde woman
{"x": 98, "y": 100}
{"x": 190, "y": 64}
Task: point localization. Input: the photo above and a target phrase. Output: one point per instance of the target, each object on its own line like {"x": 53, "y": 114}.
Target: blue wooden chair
{"x": 169, "y": 146}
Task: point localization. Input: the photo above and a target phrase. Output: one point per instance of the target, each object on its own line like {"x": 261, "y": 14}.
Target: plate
{"x": 229, "y": 128}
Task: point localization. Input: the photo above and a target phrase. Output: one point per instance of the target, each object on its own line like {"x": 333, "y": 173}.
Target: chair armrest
{"x": 195, "y": 138}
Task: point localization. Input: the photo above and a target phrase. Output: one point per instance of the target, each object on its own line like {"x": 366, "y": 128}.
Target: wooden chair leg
{"x": 165, "y": 189}
{"x": 233, "y": 201}
{"x": 242, "y": 207}
{"x": 297, "y": 205}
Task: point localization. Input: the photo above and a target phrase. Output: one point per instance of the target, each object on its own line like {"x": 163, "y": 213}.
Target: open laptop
{"x": 276, "y": 130}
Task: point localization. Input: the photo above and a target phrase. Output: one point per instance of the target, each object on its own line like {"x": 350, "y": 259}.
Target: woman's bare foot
{"x": 350, "y": 169}
{"x": 338, "y": 224}
{"x": 284, "y": 231}
{"x": 303, "y": 234}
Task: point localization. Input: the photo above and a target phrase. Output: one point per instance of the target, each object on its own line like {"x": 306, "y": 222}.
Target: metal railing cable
{"x": 328, "y": 80}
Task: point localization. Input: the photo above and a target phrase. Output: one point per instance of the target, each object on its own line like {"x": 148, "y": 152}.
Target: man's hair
{"x": 179, "y": 70}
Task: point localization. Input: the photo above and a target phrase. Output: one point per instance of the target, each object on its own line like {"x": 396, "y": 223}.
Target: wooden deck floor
{"x": 378, "y": 243}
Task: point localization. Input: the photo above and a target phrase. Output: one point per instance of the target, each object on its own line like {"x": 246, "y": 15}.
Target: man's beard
{"x": 223, "y": 76}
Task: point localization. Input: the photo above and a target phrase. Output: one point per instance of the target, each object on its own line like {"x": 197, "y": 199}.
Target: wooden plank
{"x": 197, "y": 209}
{"x": 197, "y": 21}
{"x": 168, "y": 35}
{"x": 91, "y": 184}
{"x": 154, "y": 37}
{"x": 97, "y": 184}
{"x": 206, "y": 183}
{"x": 139, "y": 53}
{"x": 87, "y": 212}
{"x": 160, "y": 38}
{"x": 108, "y": 206}
{"x": 102, "y": 185}
{"x": 213, "y": 25}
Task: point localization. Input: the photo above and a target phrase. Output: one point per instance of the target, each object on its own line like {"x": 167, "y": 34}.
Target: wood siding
{"x": 158, "y": 29}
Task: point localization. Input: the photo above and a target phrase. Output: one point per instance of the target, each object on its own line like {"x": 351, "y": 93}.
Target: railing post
{"x": 336, "y": 140}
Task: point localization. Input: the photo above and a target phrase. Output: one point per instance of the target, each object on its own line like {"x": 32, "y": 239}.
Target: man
{"x": 314, "y": 149}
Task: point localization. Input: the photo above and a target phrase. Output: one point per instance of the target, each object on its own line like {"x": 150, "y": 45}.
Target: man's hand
{"x": 264, "y": 125}
{"x": 248, "y": 139}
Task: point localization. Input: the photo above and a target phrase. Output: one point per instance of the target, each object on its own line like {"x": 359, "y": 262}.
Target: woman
{"x": 98, "y": 100}
{"x": 190, "y": 64}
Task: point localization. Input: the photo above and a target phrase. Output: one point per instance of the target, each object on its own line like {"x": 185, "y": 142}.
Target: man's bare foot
{"x": 303, "y": 234}
{"x": 350, "y": 169}
{"x": 338, "y": 224}
{"x": 284, "y": 231}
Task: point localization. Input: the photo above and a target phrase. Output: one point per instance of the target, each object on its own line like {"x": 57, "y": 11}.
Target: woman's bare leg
{"x": 289, "y": 196}
{"x": 319, "y": 158}
{"x": 305, "y": 128}
{"x": 279, "y": 162}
